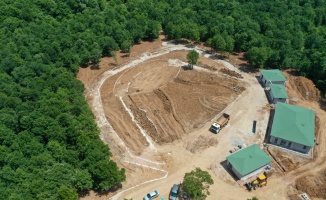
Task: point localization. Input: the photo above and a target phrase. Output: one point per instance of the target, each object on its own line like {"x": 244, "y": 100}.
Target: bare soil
{"x": 201, "y": 143}
{"x": 314, "y": 186}
{"x": 155, "y": 116}
{"x": 288, "y": 161}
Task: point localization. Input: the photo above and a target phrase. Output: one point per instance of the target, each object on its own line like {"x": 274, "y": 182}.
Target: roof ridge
{"x": 294, "y": 123}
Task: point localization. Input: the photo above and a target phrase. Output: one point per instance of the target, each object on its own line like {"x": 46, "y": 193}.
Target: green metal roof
{"x": 248, "y": 159}
{"x": 273, "y": 75}
{"x": 278, "y": 91}
{"x": 294, "y": 123}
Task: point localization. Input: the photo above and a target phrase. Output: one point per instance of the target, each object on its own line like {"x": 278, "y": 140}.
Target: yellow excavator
{"x": 259, "y": 182}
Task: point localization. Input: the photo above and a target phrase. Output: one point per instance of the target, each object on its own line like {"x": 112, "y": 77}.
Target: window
{"x": 276, "y": 139}
{"x": 283, "y": 142}
{"x": 304, "y": 147}
{"x": 289, "y": 144}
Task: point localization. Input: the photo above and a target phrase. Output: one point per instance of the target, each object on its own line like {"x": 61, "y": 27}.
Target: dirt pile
{"x": 231, "y": 73}
{"x": 201, "y": 143}
{"x": 299, "y": 86}
{"x": 165, "y": 100}
{"x": 210, "y": 68}
{"x": 314, "y": 186}
{"x": 199, "y": 77}
{"x": 143, "y": 121}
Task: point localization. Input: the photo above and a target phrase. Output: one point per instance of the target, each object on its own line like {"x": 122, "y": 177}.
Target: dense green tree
{"x": 218, "y": 43}
{"x": 66, "y": 193}
{"x": 258, "y": 56}
{"x": 153, "y": 30}
{"x": 229, "y": 44}
{"x": 83, "y": 180}
{"x": 196, "y": 183}
{"x": 115, "y": 57}
{"x": 192, "y": 58}
{"x": 126, "y": 47}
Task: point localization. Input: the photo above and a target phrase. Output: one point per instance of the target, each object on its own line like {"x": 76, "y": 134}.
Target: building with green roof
{"x": 293, "y": 127}
{"x": 247, "y": 162}
{"x": 273, "y": 76}
{"x": 277, "y": 93}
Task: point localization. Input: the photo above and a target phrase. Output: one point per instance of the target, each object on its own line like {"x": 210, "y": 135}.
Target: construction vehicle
{"x": 259, "y": 182}
{"x": 220, "y": 123}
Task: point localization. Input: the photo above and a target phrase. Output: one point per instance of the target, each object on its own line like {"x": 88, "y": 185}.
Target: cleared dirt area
{"x": 155, "y": 115}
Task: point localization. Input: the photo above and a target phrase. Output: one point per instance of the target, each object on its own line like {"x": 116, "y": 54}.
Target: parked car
{"x": 151, "y": 195}
{"x": 174, "y": 192}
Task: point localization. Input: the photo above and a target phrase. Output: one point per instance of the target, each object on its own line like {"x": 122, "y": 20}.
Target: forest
{"x": 49, "y": 142}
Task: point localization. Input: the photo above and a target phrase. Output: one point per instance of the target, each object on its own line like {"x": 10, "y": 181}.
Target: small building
{"x": 277, "y": 93}
{"x": 248, "y": 162}
{"x": 293, "y": 127}
{"x": 273, "y": 76}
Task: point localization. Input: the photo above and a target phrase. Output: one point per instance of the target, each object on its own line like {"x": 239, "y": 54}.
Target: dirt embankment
{"x": 301, "y": 87}
{"x": 165, "y": 100}
{"x": 143, "y": 120}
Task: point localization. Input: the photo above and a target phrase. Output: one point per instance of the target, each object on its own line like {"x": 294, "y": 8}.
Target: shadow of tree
{"x": 111, "y": 190}
{"x": 186, "y": 67}
{"x": 322, "y": 103}
{"x": 94, "y": 67}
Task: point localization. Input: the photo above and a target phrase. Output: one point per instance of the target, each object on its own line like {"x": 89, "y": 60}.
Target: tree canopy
{"x": 196, "y": 183}
{"x": 192, "y": 57}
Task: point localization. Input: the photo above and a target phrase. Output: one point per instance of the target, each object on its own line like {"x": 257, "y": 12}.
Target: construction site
{"x": 156, "y": 117}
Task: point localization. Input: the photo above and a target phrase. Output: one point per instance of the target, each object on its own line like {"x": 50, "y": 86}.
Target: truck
{"x": 220, "y": 123}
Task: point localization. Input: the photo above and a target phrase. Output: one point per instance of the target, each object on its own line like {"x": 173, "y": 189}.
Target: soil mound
{"x": 305, "y": 88}
{"x": 201, "y": 143}
{"x": 231, "y": 73}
